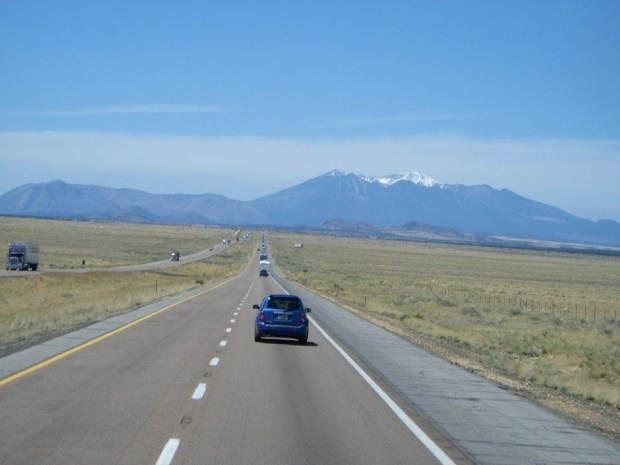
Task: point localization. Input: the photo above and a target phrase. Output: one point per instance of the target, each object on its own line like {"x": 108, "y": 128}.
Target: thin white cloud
{"x": 132, "y": 110}
{"x": 412, "y": 118}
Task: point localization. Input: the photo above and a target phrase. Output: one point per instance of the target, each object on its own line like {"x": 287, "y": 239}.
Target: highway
{"x": 189, "y": 385}
{"x": 183, "y": 382}
{"x": 162, "y": 264}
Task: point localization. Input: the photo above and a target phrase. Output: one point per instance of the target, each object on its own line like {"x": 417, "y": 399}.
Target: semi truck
{"x": 22, "y": 255}
{"x": 263, "y": 268}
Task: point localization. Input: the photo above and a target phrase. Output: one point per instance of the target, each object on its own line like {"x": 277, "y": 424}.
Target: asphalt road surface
{"x": 183, "y": 382}
{"x": 189, "y": 385}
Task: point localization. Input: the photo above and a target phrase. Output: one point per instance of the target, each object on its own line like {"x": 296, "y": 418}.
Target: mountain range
{"x": 333, "y": 200}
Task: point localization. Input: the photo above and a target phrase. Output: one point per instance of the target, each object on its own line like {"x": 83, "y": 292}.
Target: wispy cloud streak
{"x": 413, "y": 118}
{"x": 132, "y": 110}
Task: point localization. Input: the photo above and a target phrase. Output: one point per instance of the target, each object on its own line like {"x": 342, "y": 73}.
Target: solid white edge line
{"x": 409, "y": 423}
{"x": 166, "y": 456}
{"x": 200, "y": 391}
{"x": 415, "y": 429}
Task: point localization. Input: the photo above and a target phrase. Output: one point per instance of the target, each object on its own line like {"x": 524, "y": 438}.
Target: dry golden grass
{"x": 546, "y": 317}
{"x": 65, "y": 244}
{"x": 33, "y": 307}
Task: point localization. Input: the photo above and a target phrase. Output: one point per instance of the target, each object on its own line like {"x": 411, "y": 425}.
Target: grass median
{"x": 85, "y": 244}
{"x": 36, "y": 307}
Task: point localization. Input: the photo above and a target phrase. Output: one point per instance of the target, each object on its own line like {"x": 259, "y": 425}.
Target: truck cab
{"x": 22, "y": 255}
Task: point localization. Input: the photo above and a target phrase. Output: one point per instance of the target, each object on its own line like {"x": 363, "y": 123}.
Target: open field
{"x": 66, "y": 244}
{"x": 545, "y": 318}
{"x": 35, "y": 307}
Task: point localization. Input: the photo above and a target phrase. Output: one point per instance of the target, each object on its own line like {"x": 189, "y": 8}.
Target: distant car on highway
{"x": 281, "y": 315}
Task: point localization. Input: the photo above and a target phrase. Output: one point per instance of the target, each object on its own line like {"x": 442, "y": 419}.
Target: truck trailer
{"x": 22, "y": 255}
{"x": 263, "y": 268}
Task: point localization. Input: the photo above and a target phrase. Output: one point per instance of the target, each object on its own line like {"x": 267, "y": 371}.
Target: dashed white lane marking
{"x": 238, "y": 308}
{"x": 232, "y": 321}
{"x": 200, "y": 391}
{"x": 166, "y": 456}
{"x": 236, "y": 314}
{"x": 223, "y": 343}
{"x": 228, "y": 330}
{"x": 214, "y": 361}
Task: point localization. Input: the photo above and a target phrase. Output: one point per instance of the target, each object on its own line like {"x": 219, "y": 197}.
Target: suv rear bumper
{"x": 297, "y": 332}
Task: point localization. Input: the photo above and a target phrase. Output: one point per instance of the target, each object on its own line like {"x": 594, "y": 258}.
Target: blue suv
{"x": 281, "y": 315}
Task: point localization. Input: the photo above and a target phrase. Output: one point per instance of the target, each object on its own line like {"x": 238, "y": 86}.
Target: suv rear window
{"x": 283, "y": 304}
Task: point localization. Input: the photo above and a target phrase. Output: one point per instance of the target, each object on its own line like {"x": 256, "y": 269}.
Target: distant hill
{"x": 61, "y": 200}
{"x": 334, "y": 201}
{"x": 405, "y": 198}
{"x": 342, "y": 224}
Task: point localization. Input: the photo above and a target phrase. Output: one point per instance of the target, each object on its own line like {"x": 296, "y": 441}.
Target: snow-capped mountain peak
{"x": 414, "y": 177}
{"x": 335, "y": 173}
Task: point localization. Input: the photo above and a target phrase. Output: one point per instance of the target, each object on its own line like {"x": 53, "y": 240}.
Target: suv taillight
{"x": 303, "y": 317}
{"x": 262, "y": 315}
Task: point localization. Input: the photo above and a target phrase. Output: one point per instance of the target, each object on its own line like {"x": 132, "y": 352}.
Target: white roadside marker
{"x": 200, "y": 391}
{"x": 166, "y": 456}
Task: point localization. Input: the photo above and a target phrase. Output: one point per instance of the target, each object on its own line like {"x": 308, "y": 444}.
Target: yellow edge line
{"x": 104, "y": 336}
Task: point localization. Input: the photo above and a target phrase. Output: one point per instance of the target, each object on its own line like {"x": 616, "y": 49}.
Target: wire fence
{"x": 584, "y": 310}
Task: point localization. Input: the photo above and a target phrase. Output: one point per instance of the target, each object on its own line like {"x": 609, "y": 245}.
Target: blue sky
{"x": 247, "y": 98}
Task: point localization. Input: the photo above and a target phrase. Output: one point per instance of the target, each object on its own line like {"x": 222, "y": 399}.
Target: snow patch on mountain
{"x": 390, "y": 179}
{"x": 414, "y": 177}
